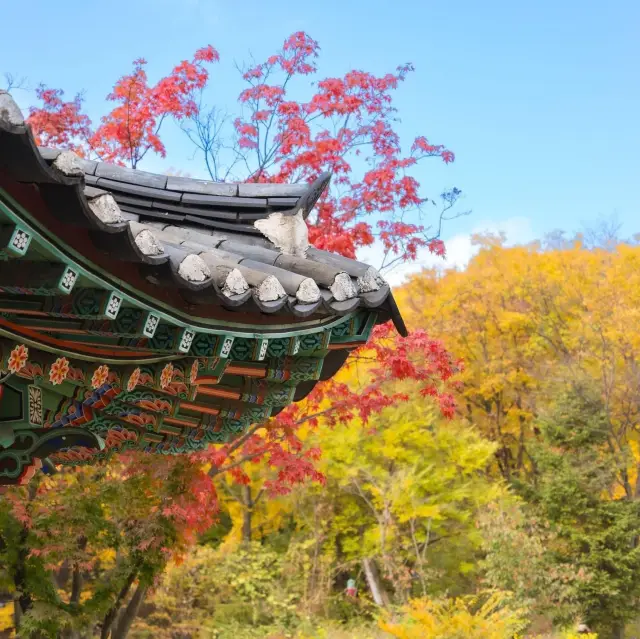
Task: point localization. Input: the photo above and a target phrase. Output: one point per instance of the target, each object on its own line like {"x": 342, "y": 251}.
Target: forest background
{"x": 479, "y": 478}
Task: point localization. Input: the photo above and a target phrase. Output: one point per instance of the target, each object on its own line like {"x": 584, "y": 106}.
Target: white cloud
{"x": 460, "y": 250}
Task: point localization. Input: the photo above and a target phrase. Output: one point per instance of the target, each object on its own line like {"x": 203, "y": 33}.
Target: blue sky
{"x": 540, "y": 100}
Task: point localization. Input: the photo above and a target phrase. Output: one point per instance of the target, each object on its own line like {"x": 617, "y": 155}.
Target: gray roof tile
{"x": 189, "y": 185}
{"x": 130, "y": 176}
{"x": 251, "y": 189}
{"x": 221, "y": 200}
{"x": 196, "y": 220}
{"x": 138, "y": 189}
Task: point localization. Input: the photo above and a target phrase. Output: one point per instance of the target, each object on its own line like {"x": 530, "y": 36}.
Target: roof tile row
{"x": 199, "y": 236}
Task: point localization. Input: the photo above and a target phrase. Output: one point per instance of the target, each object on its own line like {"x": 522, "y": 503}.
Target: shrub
{"x": 484, "y": 616}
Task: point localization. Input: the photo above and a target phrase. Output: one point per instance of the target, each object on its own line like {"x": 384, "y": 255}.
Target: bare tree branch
{"x": 13, "y": 83}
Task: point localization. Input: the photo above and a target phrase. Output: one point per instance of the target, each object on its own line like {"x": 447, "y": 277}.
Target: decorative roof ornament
{"x": 287, "y": 230}
{"x": 289, "y": 233}
{"x": 156, "y": 312}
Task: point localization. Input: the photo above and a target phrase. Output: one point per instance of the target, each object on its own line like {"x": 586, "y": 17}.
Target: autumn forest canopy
{"x": 479, "y": 478}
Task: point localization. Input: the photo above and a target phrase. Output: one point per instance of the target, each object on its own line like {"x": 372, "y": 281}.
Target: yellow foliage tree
{"x": 525, "y": 321}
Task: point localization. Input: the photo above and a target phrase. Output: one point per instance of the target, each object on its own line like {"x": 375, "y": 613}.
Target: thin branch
{"x": 13, "y": 83}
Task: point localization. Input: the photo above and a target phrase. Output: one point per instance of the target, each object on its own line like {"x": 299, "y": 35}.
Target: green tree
{"x": 590, "y": 546}
{"x": 79, "y": 550}
{"x": 400, "y": 501}
{"x": 519, "y": 558}
{"x": 216, "y": 591}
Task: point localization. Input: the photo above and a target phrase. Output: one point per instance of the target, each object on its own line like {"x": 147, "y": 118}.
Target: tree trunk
{"x": 76, "y": 579}
{"x": 110, "y": 617}
{"x": 24, "y": 601}
{"x": 247, "y": 512}
{"x": 378, "y": 592}
{"x": 636, "y": 492}
{"x": 617, "y": 632}
{"x": 76, "y": 585}
{"x": 17, "y": 615}
{"x": 129, "y": 613}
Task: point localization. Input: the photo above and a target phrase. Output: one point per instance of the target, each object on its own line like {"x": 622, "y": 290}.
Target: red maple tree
{"x": 131, "y": 129}
{"x": 346, "y": 126}
{"x": 387, "y": 358}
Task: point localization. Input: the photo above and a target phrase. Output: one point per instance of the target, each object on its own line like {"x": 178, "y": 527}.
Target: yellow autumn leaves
{"x": 527, "y": 320}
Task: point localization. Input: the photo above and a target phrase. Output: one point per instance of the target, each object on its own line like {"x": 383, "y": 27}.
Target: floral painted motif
{"x": 35, "y": 405}
{"x": 151, "y": 325}
{"x": 59, "y": 371}
{"x": 133, "y": 380}
{"x": 167, "y": 376}
{"x": 100, "y": 376}
{"x": 194, "y": 372}
{"x": 18, "y": 358}
{"x": 68, "y": 280}
{"x": 20, "y": 241}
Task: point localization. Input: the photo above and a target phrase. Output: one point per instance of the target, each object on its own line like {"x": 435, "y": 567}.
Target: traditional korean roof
{"x": 246, "y": 245}
{"x": 202, "y": 304}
